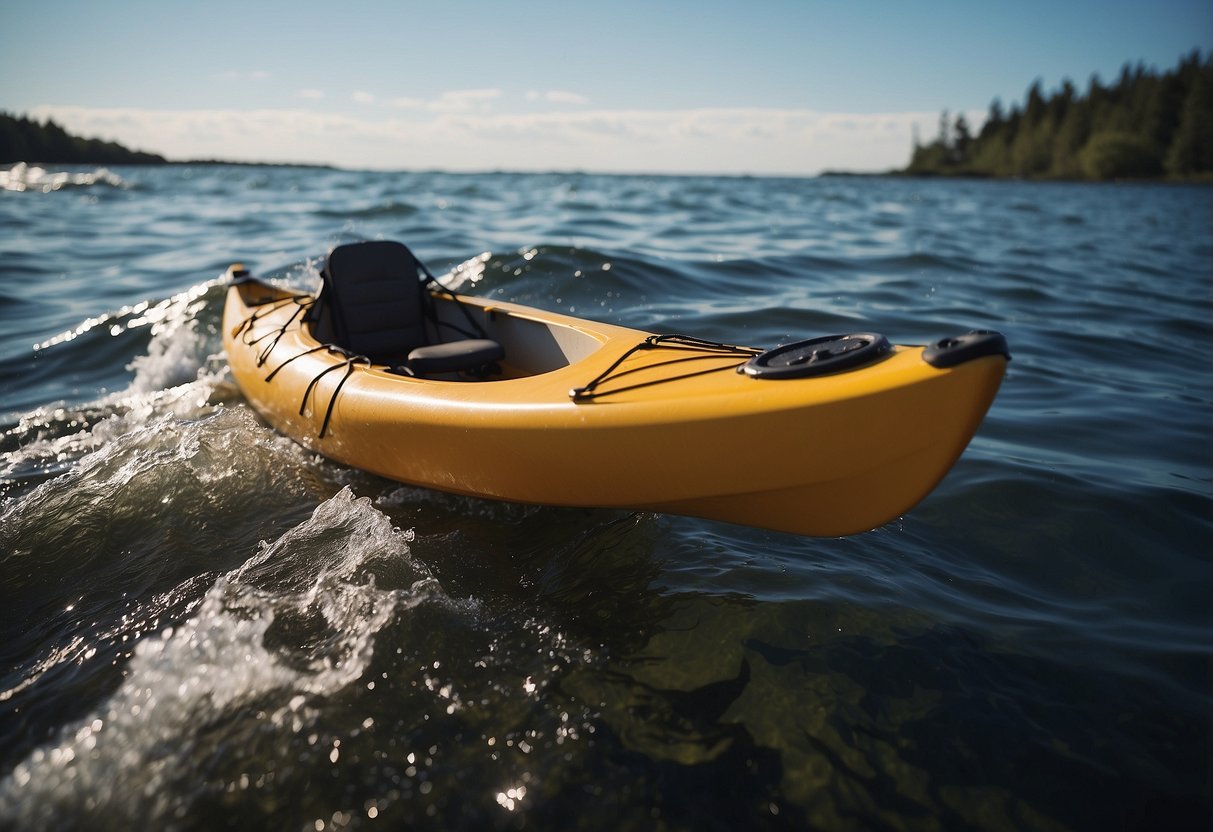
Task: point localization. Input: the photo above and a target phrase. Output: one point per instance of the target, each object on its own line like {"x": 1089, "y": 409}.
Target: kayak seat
{"x": 453, "y": 356}
{"x": 374, "y": 302}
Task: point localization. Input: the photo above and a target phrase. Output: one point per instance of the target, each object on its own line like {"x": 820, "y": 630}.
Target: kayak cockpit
{"x": 532, "y": 345}
{"x": 531, "y": 342}
{"x": 380, "y": 304}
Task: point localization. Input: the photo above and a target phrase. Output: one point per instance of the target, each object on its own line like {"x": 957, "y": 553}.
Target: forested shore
{"x": 23, "y": 139}
{"x": 1145, "y": 125}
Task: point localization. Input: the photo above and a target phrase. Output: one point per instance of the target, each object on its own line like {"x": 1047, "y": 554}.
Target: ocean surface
{"x": 203, "y": 626}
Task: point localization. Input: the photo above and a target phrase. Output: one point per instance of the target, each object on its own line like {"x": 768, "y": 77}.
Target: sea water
{"x": 203, "y": 624}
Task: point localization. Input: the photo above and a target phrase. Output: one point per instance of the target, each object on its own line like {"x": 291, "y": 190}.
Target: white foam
{"x": 119, "y": 762}
{"x": 24, "y": 177}
{"x": 175, "y": 356}
{"x": 182, "y": 375}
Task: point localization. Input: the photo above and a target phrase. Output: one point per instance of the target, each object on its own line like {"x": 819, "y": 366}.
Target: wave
{"x": 293, "y": 625}
{"x": 24, "y": 177}
{"x": 386, "y": 210}
{"x": 180, "y": 374}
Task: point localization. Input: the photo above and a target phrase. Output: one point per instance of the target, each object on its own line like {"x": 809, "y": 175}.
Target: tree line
{"x": 25, "y": 140}
{"x": 1145, "y": 125}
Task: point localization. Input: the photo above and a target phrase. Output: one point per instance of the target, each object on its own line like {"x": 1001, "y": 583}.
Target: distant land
{"x": 1144, "y": 126}
{"x": 25, "y": 140}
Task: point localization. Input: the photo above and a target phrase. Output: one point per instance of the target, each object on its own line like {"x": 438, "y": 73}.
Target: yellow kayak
{"x": 830, "y": 436}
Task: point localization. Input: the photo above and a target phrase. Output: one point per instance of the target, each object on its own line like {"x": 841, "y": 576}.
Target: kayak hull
{"x": 833, "y": 455}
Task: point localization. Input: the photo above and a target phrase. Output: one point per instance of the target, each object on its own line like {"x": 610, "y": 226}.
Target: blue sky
{"x": 764, "y": 87}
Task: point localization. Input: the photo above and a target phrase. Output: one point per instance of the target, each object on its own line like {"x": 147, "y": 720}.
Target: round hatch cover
{"x": 817, "y": 356}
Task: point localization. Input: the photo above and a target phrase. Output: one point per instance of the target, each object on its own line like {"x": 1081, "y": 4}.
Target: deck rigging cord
{"x": 245, "y": 330}
{"x": 432, "y": 314}
{"x": 701, "y": 349}
{"x": 273, "y": 336}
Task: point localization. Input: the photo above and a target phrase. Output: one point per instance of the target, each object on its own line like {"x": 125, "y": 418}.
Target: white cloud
{"x": 459, "y": 135}
{"x": 463, "y": 100}
{"x": 312, "y": 95}
{"x": 452, "y": 101}
{"x": 557, "y": 97}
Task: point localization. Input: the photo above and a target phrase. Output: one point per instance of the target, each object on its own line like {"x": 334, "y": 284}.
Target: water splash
{"x": 292, "y": 625}
{"x": 178, "y": 353}
{"x": 25, "y": 177}
{"x": 467, "y": 274}
{"x": 167, "y": 314}
{"x": 180, "y": 376}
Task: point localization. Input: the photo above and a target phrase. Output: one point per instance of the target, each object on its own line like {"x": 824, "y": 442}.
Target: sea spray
{"x": 181, "y": 375}
{"x": 294, "y": 623}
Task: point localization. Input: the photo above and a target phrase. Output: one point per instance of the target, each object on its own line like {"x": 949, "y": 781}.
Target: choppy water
{"x": 202, "y": 625}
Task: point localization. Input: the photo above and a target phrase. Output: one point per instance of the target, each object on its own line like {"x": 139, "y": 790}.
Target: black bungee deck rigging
{"x": 701, "y": 348}
{"x": 305, "y": 303}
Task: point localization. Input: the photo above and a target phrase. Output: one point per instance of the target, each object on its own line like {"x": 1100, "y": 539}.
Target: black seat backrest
{"x": 376, "y": 298}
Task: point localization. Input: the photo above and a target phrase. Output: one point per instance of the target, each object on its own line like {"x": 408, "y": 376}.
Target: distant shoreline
{"x": 828, "y": 174}
{"x": 978, "y": 176}
{"x": 229, "y": 163}
{"x": 23, "y": 140}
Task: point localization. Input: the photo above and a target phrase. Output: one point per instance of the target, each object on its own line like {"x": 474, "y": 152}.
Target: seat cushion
{"x": 454, "y": 356}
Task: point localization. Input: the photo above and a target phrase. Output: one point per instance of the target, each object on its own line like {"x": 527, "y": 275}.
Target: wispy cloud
{"x": 452, "y": 101}
{"x": 460, "y": 135}
{"x": 456, "y": 101}
{"x": 557, "y": 97}
{"x": 311, "y": 95}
